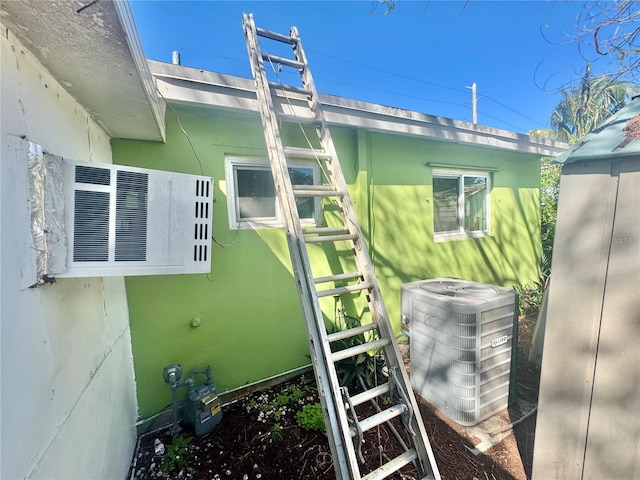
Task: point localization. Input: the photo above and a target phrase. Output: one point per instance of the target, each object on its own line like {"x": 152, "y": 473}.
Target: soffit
{"x": 93, "y": 50}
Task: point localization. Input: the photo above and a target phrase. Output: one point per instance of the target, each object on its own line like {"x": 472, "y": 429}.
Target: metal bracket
{"x": 355, "y": 424}
{"x": 396, "y": 386}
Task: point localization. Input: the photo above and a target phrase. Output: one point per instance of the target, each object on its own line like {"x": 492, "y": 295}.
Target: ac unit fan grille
{"x": 92, "y": 175}
{"x": 91, "y": 226}
{"x": 131, "y": 216}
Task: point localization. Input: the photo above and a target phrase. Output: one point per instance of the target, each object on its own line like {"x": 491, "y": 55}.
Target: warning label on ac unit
{"x": 496, "y": 342}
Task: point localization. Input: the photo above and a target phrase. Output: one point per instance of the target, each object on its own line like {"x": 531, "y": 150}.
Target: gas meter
{"x": 201, "y": 406}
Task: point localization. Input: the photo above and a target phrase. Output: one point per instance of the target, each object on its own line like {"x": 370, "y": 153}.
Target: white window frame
{"x": 235, "y": 222}
{"x": 461, "y": 232}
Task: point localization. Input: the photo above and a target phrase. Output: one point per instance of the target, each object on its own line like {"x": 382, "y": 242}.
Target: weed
{"x": 311, "y": 417}
{"x": 367, "y": 366}
{"x": 295, "y": 393}
{"x": 530, "y": 295}
{"x": 276, "y": 432}
{"x": 283, "y": 400}
{"x": 177, "y": 456}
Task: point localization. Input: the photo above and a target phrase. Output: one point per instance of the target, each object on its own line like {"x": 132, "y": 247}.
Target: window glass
{"x": 303, "y": 176}
{"x": 475, "y": 203}
{"x": 460, "y": 204}
{"x": 445, "y": 200}
{"x": 255, "y": 193}
{"x": 252, "y": 196}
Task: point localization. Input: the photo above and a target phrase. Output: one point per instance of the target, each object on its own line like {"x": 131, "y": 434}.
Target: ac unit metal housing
{"x": 122, "y": 220}
{"x": 463, "y": 336}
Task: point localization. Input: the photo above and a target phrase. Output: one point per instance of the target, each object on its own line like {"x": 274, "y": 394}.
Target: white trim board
{"x": 191, "y": 86}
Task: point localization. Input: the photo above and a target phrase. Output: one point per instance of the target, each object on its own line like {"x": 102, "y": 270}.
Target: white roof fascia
{"x": 191, "y": 86}
{"x": 125, "y": 15}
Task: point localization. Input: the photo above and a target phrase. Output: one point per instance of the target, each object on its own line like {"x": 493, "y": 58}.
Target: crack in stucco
{"x": 60, "y": 426}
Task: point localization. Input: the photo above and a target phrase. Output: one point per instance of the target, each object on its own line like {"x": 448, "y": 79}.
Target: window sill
{"x": 448, "y": 236}
{"x": 257, "y": 225}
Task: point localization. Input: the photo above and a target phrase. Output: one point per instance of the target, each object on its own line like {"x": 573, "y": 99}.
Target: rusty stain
{"x": 632, "y": 129}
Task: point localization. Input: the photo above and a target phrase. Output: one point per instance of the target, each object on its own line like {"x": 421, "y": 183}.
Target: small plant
{"x": 177, "y": 455}
{"x": 276, "y": 432}
{"x": 367, "y": 366}
{"x": 530, "y": 295}
{"x": 311, "y": 417}
{"x": 295, "y": 394}
{"x": 283, "y": 400}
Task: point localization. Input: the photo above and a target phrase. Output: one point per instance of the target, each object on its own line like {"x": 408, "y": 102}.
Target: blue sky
{"x": 420, "y": 57}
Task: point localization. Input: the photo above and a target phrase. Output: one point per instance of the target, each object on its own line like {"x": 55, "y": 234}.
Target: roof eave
{"x": 185, "y": 85}
{"x": 93, "y": 51}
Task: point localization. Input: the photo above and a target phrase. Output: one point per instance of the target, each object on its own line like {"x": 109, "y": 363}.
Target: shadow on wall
{"x": 404, "y": 249}
{"x": 589, "y": 386}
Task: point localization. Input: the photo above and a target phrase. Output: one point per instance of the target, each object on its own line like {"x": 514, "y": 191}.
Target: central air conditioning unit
{"x": 463, "y": 336}
{"x": 123, "y": 220}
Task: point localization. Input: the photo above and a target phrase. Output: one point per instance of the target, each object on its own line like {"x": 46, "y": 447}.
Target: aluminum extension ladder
{"x": 344, "y": 429}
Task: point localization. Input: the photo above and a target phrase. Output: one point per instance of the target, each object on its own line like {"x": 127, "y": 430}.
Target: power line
{"x": 356, "y": 64}
{"x": 202, "y": 52}
{"x": 514, "y": 111}
{"x": 399, "y": 75}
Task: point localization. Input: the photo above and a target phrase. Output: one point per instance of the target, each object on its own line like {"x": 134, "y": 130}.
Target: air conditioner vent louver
{"x": 91, "y": 226}
{"x": 462, "y": 338}
{"x": 131, "y": 216}
{"x": 133, "y": 221}
{"x": 93, "y": 175}
{"x": 201, "y": 226}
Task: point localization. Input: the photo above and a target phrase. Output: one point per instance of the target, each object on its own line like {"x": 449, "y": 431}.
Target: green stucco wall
{"x": 250, "y": 320}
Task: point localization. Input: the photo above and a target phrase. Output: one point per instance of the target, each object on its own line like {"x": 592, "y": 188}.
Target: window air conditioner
{"x": 123, "y": 220}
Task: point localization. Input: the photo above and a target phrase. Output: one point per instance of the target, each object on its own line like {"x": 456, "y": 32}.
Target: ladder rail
{"x": 324, "y": 370}
{"x": 334, "y": 398}
{"x": 378, "y": 310}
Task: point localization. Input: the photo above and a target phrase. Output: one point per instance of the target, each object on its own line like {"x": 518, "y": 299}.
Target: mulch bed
{"x": 247, "y": 446}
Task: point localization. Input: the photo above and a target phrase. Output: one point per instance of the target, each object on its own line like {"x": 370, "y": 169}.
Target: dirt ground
{"x": 247, "y": 445}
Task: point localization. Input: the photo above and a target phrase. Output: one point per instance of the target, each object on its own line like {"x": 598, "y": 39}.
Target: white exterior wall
{"x": 68, "y": 402}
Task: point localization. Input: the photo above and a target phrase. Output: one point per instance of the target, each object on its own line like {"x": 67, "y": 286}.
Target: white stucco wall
{"x": 68, "y": 403}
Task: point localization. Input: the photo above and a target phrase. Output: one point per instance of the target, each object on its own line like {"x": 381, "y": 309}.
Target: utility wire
{"x": 359, "y": 65}
{"x": 393, "y": 74}
{"x": 513, "y": 110}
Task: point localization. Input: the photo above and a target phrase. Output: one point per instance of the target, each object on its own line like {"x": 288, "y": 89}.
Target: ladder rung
{"x": 358, "y": 349}
{"x": 338, "y": 278}
{"x": 302, "y": 120}
{"x": 352, "y": 332}
{"x": 310, "y": 153}
{"x": 381, "y": 417}
{"x": 283, "y": 61}
{"x": 315, "y": 191}
{"x": 323, "y": 230}
{"x": 278, "y": 37}
{"x": 370, "y": 394}
{"x": 290, "y": 88}
{"x": 341, "y": 290}
{"x": 392, "y": 466}
{"x": 331, "y": 238}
